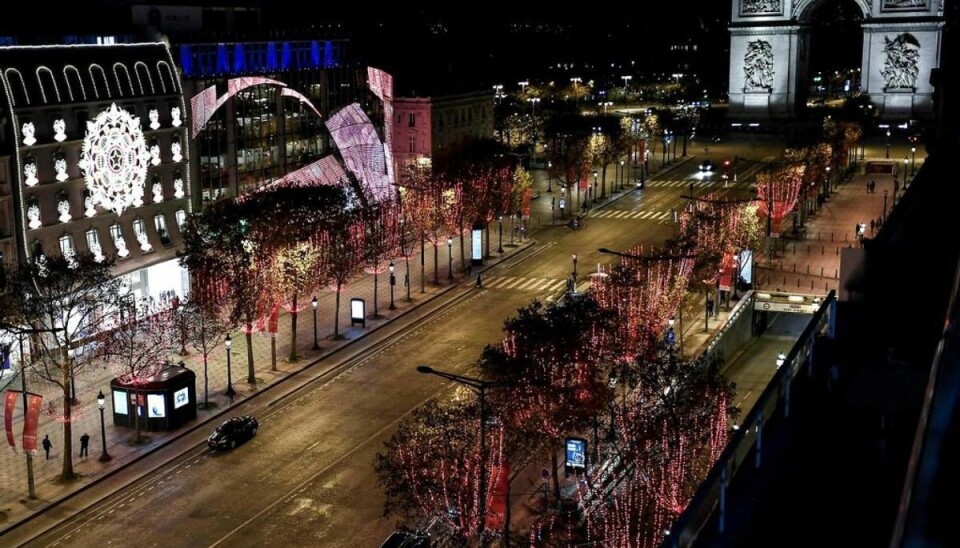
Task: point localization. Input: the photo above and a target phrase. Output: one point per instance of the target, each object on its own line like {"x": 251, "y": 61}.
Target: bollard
{"x": 784, "y": 280}
{"x": 836, "y": 274}
{"x": 808, "y": 268}
{"x": 794, "y": 268}
{"x": 798, "y": 282}
{"x": 811, "y": 285}
{"x": 821, "y": 250}
{"x": 821, "y": 271}
{"x": 831, "y": 236}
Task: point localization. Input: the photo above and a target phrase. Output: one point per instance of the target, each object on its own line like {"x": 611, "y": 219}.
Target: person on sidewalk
{"x": 479, "y": 281}
{"x": 85, "y": 444}
{"x": 47, "y": 445}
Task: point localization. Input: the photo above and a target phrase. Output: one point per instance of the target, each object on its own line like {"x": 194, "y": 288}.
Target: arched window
{"x": 126, "y": 74}
{"x": 164, "y": 67}
{"x": 71, "y": 71}
{"x": 15, "y": 97}
{"x": 41, "y": 71}
{"x": 103, "y": 78}
{"x": 143, "y": 73}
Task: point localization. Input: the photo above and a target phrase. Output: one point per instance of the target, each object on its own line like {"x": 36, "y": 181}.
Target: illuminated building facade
{"x": 96, "y": 159}
{"x": 425, "y": 127}
{"x": 259, "y": 109}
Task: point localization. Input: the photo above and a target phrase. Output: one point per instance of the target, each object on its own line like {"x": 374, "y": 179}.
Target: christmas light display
{"x": 113, "y": 159}
{"x": 60, "y": 166}
{"x": 178, "y": 187}
{"x": 777, "y": 194}
{"x": 59, "y": 130}
{"x": 63, "y": 208}
{"x": 33, "y": 215}
{"x": 28, "y": 130}
{"x": 154, "y": 116}
{"x": 30, "y": 172}
{"x": 362, "y": 151}
{"x": 157, "y": 189}
{"x": 175, "y": 117}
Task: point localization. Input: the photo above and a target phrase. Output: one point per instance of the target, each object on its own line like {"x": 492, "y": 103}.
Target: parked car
{"x": 407, "y": 539}
{"x": 706, "y": 165}
{"x": 233, "y": 432}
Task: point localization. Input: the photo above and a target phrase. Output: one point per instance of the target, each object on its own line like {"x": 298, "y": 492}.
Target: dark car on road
{"x": 233, "y": 432}
{"x": 706, "y": 165}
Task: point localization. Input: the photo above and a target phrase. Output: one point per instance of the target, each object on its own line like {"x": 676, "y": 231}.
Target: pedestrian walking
{"x": 873, "y": 225}
{"x": 47, "y": 445}
{"x": 709, "y": 306}
{"x": 85, "y": 445}
{"x": 479, "y": 281}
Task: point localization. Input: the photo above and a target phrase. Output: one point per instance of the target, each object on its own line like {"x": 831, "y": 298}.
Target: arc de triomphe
{"x": 769, "y": 56}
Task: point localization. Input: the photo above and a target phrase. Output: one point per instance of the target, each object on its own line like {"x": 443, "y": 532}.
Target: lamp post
{"x": 104, "y": 456}
{"x": 621, "y": 175}
{"x": 913, "y": 160}
{"x": 393, "y": 282}
{"x": 826, "y": 187}
{"x": 576, "y": 96}
{"x": 549, "y": 176}
{"x": 523, "y": 86}
{"x": 593, "y": 191}
{"x": 905, "y": 162}
{"x": 626, "y": 83}
{"x": 533, "y": 120}
{"x": 500, "y": 237}
{"x": 228, "y": 343}
{"x": 314, "y": 304}
{"x": 725, "y": 178}
{"x": 888, "y": 144}
{"x": 884, "y": 205}
{"x": 480, "y": 386}
{"x": 450, "y": 259}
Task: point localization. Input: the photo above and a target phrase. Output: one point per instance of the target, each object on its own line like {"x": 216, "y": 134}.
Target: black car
{"x": 706, "y": 165}
{"x": 407, "y": 539}
{"x": 233, "y": 432}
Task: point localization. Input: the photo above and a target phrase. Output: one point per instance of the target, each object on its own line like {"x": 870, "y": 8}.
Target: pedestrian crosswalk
{"x": 632, "y": 214}
{"x": 521, "y": 283}
{"x": 715, "y": 181}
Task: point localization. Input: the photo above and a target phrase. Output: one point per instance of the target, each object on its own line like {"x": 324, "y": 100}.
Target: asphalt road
{"x": 307, "y": 478}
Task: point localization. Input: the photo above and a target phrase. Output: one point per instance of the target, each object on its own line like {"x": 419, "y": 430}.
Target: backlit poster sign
{"x": 576, "y": 453}
{"x": 181, "y": 397}
{"x": 156, "y": 407}
{"x": 476, "y": 247}
{"x": 120, "y": 402}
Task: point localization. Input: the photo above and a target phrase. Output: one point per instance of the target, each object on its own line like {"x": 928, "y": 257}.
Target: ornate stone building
{"x": 97, "y": 157}
{"x": 427, "y": 126}
{"x": 770, "y": 50}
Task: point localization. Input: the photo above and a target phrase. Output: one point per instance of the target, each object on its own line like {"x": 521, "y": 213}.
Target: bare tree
{"x": 205, "y": 329}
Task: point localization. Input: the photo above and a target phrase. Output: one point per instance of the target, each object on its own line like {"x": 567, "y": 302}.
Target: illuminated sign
{"x": 476, "y": 247}
{"x": 181, "y": 397}
{"x": 120, "y": 402}
{"x": 576, "y": 453}
{"x": 156, "y": 407}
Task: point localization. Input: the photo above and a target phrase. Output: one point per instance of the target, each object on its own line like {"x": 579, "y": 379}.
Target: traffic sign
{"x": 671, "y": 338}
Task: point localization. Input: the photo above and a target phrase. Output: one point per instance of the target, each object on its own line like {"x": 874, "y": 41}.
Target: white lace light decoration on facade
{"x": 60, "y": 165}
{"x": 154, "y": 118}
{"x": 30, "y": 173}
{"x": 97, "y": 251}
{"x": 89, "y": 206}
{"x": 63, "y": 208}
{"x": 33, "y": 214}
{"x": 155, "y": 154}
{"x": 120, "y": 244}
{"x": 157, "y": 191}
{"x": 142, "y": 237}
{"x": 71, "y": 256}
{"x": 28, "y": 131}
{"x": 178, "y": 187}
{"x": 175, "y": 151}
{"x": 59, "y": 130}
{"x": 175, "y": 117}
{"x": 114, "y": 159}
{"x": 181, "y": 218}
{"x": 42, "y": 269}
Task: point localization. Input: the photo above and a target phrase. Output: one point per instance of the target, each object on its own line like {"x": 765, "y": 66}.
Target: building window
{"x": 181, "y": 218}
{"x": 413, "y": 144}
{"x": 412, "y": 121}
{"x": 140, "y": 231}
{"x": 93, "y": 245}
{"x": 160, "y": 223}
{"x": 67, "y": 250}
{"x": 118, "y": 242}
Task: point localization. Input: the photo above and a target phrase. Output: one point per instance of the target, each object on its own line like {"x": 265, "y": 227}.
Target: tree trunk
{"x": 463, "y": 258}
{"x": 436, "y": 264}
{"x": 336, "y": 314}
{"x": 136, "y": 411}
{"x": 293, "y": 333}
{"x": 206, "y": 383}
{"x": 67, "y": 471}
{"x": 556, "y": 473}
{"x": 251, "y": 374}
{"x": 603, "y": 183}
{"x": 506, "y": 517}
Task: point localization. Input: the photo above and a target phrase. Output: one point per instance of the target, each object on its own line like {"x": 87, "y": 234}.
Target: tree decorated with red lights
{"x": 205, "y": 329}
{"x": 342, "y": 246}
{"x": 381, "y": 239}
{"x": 137, "y": 343}
{"x": 553, "y": 359}
{"x": 430, "y": 468}
{"x": 295, "y": 274}
{"x": 777, "y": 192}
{"x": 568, "y": 148}
{"x": 671, "y": 428}
{"x": 62, "y": 301}
{"x": 710, "y": 224}
{"x": 643, "y": 292}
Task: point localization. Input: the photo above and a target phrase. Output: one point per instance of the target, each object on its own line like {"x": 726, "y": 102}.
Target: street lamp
{"x": 905, "y": 172}
{"x": 574, "y": 266}
{"x": 533, "y": 119}
{"x": 480, "y": 386}
{"x": 888, "y": 143}
{"x": 621, "y": 175}
{"x": 450, "y": 259}
{"x": 314, "y": 304}
{"x": 228, "y": 342}
{"x": 576, "y": 96}
{"x": 104, "y": 456}
{"x": 913, "y": 160}
{"x": 781, "y": 358}
{"x": 393, "y": 282}
{"x": 725, "y": 177}
{"x": 500, "y": 237}
{"x": 626, "y": 84}
{"x": 549, "y": 176}
{"x": 826, "y": 190}
{"x": 594, "y": 190}
{"x": 523, "y": 86}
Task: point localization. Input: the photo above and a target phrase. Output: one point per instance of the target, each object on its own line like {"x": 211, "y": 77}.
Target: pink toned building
{"x": 427, "y": 126}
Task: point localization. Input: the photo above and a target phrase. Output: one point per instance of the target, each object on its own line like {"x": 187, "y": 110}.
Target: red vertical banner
{"x": 10, "y": 403}
{"x": 584, "y": 183}
{"x": 726, "y": 272}
{"x": 274, "y": 323}
{"x": 641, "y": 151}
{"x": 499, "y": 484}
{"x": 30, "y": 422}
{"x": 527, "y": 197}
